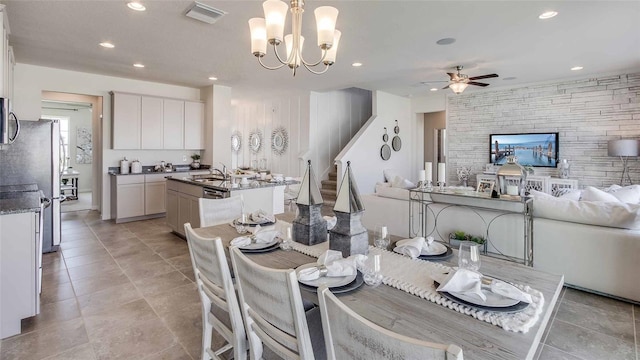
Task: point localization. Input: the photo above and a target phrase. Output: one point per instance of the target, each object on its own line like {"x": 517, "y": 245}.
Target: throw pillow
{"x": 609, "y": 214}
{"x": 402, "y": 183}
{"x": 612, "y": 188}
{"x": 390, "y": 174}
{"x": 628, "y": 194}
{"x": 593, "y": 194}
{"x": 571, "y": 195}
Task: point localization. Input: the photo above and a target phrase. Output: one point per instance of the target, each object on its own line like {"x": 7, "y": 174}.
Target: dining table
{"x": 410, "y": 315}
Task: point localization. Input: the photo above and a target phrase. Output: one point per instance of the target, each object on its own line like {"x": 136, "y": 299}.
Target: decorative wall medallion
{"x": 396, "y": 143}
{"x": 385, "y": 150}
{"x": 236, "y": 141}
{"x": 255, "y": 141}
{"x": 279, "y": 140}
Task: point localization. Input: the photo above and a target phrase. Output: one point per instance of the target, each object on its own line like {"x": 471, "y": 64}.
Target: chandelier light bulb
{"x": 458, "y": 87}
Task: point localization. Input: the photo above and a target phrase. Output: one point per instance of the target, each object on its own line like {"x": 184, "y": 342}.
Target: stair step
{"x": 329, "y": 184}
{"x": 333, "y": 176}
{"x": 328, "y": 195}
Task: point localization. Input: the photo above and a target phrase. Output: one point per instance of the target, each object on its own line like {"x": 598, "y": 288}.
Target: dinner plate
{"x": 330, "y": 281}
{"x": 273, "y": 246}
{"x": 356, "y": 283}
{"x": 441, "y": 249}
{"x": 448, "y": 254}
{"x": 256, "y": 246}
{"x": 250, "y": 222}
{"x": 477, "y": 303}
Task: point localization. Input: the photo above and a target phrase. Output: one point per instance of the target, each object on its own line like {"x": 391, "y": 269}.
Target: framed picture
{"x": 485, "y": 186}
{"x": 490, "y": 169}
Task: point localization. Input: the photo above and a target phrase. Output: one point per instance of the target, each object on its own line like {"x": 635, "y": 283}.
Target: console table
{"x": 476, "y": 202}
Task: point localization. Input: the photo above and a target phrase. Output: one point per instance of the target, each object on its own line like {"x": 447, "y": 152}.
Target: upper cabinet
{"x": 7, "y": 61}
{"x": 153, "y": 123}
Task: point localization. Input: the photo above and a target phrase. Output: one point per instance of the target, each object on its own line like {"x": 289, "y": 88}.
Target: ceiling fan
{"x": 458, "y": 81}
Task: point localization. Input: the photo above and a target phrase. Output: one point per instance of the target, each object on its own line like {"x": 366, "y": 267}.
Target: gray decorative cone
{"x": 349, "y": 236}
{"x": 309, "y": 227}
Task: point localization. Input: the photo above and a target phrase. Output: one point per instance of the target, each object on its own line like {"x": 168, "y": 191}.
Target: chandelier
{"x": 271, "y": 28}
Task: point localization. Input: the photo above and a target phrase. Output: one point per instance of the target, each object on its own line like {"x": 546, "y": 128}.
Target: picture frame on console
{"x": 485, "y": 186}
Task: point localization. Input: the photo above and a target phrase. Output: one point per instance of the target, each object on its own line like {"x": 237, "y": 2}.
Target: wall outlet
{"x": 184, "y": 157}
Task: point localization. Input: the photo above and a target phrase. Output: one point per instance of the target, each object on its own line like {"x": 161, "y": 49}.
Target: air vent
{"x": 204, "y": 13}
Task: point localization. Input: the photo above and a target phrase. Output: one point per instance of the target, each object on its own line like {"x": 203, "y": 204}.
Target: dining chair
{"x": 350, "y": 336}
{"x": 219, "y": 211}
{"x": 220, "y": 309}
{"x": 275, "y": 319}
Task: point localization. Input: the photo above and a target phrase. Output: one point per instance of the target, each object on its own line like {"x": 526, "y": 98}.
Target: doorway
{"x": 435, "y": 139}
{"x": 80, "y": 123}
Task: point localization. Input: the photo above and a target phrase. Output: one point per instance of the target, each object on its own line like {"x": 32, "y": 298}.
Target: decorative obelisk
{"x": 349, "y": 236}
{"x": 309, "y": 227}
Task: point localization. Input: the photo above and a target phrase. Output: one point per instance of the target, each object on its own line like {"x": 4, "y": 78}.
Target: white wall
{"x": 31, "y": 80}
{"x": 218, "y": 126}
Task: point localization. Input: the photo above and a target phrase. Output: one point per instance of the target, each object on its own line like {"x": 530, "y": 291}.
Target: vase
{"x": 195, "y": 164}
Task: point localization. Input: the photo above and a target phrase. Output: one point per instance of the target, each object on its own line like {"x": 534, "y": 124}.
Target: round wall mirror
{"x": 236, "y": 141}
{"x": 385, "y": 152}
{"x": 396, "y": 143}
{"x": 255, "y": 141}
{"x": 279, "y": 140}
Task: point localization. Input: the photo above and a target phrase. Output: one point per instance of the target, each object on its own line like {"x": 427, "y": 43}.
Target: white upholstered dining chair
{"x": 219, "y": 211}
{"x": 275, "y": 319}
{"x": 350, "y": 336}
{"x": 220, "y": 309}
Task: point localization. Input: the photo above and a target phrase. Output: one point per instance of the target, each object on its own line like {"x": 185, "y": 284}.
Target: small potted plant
{"x": 456, "y": 237}
{"x": 196, "y": 161}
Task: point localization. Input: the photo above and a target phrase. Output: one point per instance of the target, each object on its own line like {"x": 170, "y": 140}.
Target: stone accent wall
{"x": 586, "y": 114}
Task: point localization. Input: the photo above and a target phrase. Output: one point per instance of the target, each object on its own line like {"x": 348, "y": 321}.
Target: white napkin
{"x": 510, "y": 291}
{"x": 331, "y": 221}
{"x": 429, "y": 247}
{"x": 410, "y": 247}
{"x": 261, "y": 237}
{"x": 336, "y": 265}
{"x": 259, "y": 217}
{"x": 465, "y": 282}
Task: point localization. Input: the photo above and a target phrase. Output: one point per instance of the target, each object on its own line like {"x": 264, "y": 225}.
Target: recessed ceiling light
{"x": 356, "y": 64}
{"x": 575, "y": 68}
{"x": 446, "y": 41}
{"x": 547, "y": 15}
{"x": 213, "y": 78}
{"x": 107, "y": 45}
{"x": 509, "y": 78}
{"x": 434, "y": 89}
{"x": 134, "y": 5}
{"x": 138, "y": 65}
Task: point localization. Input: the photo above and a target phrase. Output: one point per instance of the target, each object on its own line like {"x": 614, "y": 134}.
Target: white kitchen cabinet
{"x": 152, "y": 120}
{"x": 172, "y": 209}
{"x": 137, "y": 197}
{"x": 130, "y": 200}
{"x": 193, "y": 125}
{"x": 19, "y": 270}
{"x": 182, "y": 205}
{"x": 126, "y": 121}
{"x": 155, "y": 192}
{"x": 173, "y": 124}
{"x": 6, "y": 61}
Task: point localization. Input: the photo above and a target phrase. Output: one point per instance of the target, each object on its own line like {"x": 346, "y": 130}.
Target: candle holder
{"x": 441, "y": 186}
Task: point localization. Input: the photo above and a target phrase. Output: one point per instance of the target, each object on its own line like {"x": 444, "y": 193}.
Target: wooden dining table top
{"x": 413, "y": 316}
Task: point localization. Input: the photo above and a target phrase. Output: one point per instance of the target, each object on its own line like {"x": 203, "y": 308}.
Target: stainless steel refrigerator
{"x": 34, "y": 158}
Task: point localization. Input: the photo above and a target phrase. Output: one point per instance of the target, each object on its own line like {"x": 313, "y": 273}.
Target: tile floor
{"x": 126, "y": 291}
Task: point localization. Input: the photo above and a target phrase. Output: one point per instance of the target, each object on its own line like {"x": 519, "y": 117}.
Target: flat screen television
{"x": 531, "y": 149}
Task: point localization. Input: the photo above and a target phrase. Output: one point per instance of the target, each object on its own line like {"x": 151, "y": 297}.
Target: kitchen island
{"x": 183, "y": 194}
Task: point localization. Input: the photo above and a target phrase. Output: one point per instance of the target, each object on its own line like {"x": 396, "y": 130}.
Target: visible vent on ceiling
{"x": 204, "y": 13}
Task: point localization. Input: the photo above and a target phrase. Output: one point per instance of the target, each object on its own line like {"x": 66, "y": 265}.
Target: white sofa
{"x": 598, "y": 258}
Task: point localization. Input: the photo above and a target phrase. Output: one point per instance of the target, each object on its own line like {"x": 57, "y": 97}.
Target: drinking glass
{"x": 381, "y": 237}
{"x": 469, "y": 256}
{"x": 286, "y": 243}
{"x": 371, "y": 270}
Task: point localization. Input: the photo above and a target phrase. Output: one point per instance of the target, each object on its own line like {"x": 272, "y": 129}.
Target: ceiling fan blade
{"x": 483, "y": 77}
{"x": 477, "y": 83}
{"x": 446, "y": 87}
{"x": 432, "y": 82}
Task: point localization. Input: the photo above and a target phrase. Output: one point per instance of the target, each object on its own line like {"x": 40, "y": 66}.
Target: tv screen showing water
{"x": 539, "y": 149}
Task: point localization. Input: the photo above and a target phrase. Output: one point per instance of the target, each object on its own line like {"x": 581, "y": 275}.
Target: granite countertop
{"x": 18, "y": 188}
{"x": 226, "y": 185}
{"x": 149, "y": 170}
{"x": 19, "y": 202}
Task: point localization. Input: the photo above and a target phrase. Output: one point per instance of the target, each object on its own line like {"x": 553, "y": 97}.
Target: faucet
{"x": 223, "y": 172}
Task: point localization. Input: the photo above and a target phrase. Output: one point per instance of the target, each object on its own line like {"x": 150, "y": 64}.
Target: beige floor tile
{"x": 66, "y": 244}
{"x": 107, "y": 299}
{"x": 140, "y": 257}
{"x": 51, "y": 257}
{"x": 90, "y": 270}
{"x": 51, "y": 314}
{"x": 135, "y": 342}
{"x": 174, "y": 299}
{"x": 161, "y": 283}
{"x": 127, "y": 247}
{"x": 82, "y": 352}
{"x": 175, "y": 352}
{"x": 613, "y": 321}
{"x": 53, "y": 266}
{"x": 181, "y": 262}
{"x": 56, "y": 292}
{"x": 93, "y": 249}
{"x": 173, "y": 250}
{"x": 117, "y": 319}
{"x": 55, "y": 278}
{"x": 48, "y": 341}
{"x": 86, "y": 259}
{"x": 188, "y": 273}
{"x": 117, "y": 236}
{"x": 187, "y": 326}
{"x": 588, "y": 344}
{"x": 147, "y": 270}
{"x": 99, "y": 282}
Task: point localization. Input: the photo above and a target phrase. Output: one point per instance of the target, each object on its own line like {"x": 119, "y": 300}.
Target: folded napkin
{"x": 331, "y": 221}
{"x": 430, "y": 247}
{"x": 335, "y": 264}
{"x": 410, "y": 247}
{"x": 258, "y": 237}
{"x": 510, "y": 291}
{"x": 260, "y": 217}
{"x": 470, "y": 283}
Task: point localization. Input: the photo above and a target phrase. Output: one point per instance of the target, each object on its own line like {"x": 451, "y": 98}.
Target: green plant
{"x": 195, "y": 157}
{"x": 462, "y": 236}
{"x": 477, "y": 239}
{"x": 459, "y": 235}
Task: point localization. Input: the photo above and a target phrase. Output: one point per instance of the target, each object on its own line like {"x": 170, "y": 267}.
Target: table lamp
{"x": 624, "y": 148}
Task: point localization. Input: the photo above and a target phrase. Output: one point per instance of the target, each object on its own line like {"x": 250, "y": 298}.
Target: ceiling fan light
{"x": 258, "y": 36}
{"x": 275, "y": 14}
{"x": 458, "y": 87}
{"x": 330, "y": 58}
{"x": 326, "y": 22}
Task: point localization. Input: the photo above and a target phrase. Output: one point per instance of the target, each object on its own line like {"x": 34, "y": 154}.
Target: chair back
{"x": 217, "y": 293}
{"x": 350, "y": 336}
{"x": 219, "y": 211}
{"x": 273, "y": 309}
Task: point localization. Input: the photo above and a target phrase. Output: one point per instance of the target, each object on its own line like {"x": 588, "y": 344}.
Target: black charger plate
{"x": 356, "y": 283}
{"x": 263, "y": 250}
{"x": 441, "y": 257}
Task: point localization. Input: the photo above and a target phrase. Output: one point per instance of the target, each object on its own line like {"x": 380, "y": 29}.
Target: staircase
{"x": 328, "y": 189}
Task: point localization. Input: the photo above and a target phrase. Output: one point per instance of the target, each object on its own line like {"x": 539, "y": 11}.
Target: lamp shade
{"x": 258, "y": 36}
{"x": 275, "y": 13}
{"x": 331, "y": 53}
{"x": 458, "y": 87}
{"x": 626, "y": 147}
{"x": 326, "y": 22}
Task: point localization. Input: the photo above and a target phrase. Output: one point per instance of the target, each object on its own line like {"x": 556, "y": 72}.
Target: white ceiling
{"x": 396, "y": 41}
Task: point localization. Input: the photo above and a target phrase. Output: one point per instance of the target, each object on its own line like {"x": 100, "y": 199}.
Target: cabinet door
{"x": 126, "y": 121}
{"x": 154, "y": 198}
{"x": 194, "y": 213}
{"x": 151, "y": 123}
{"x": 193, "y": 125}
{"x": 173, "y": 124}
{"x": 172, "y": 210}
{"x": 130, "y": 200}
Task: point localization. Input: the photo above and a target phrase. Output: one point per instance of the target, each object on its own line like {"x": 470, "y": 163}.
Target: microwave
{"x": 9, "y": 124}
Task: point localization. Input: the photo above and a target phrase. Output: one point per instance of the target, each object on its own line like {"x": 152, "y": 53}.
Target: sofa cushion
{"x": 402, "y": 183}
{"x": 628, "y": 194}
{"x": 574, "y": 194}
{"x": 390, "y": 174}
{"x": 393, "y": 192}
{"x": 593, "y": 194}
{"x": 610, "y": 214}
